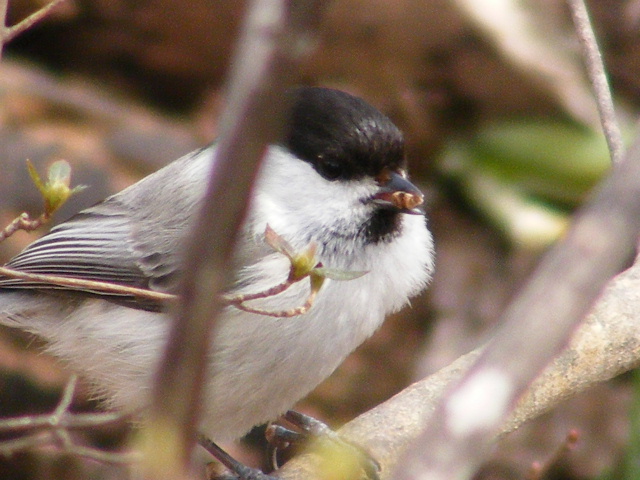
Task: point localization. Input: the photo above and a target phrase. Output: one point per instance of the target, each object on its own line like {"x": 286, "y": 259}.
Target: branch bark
{"x": 606, "y": 345}
{"x": 536, "y": 326}
{"x": 598, "y": 78}
{"x": 277, "y": 35}
{"x": 9, "y": 33}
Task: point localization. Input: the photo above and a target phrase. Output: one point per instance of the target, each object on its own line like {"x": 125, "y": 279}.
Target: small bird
{"x": 337, "y": 180}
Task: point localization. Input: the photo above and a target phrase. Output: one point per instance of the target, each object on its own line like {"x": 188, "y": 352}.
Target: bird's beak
{"x": 398, "y": 193}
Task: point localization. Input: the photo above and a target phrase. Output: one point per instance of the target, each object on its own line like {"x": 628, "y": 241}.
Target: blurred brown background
{"x": 121, "y": 87}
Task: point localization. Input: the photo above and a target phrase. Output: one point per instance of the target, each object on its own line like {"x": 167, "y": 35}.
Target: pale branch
{"x": 293, "y": 312}
{"x": 75, "y": 421}
{"x": 27, "y": 442}
{"x": 9, "y": 33}
{"x": 606, "y": 345}
{"x": 270, "y": 292}
{"x": 88, "y": 285}
{"x": 127, "y": 458}
{"x": 534, "y": 329}
{"x": 23, "y": 222}
{"x": 47, "y": 438}
{"x": 598, "y": 78}
{"x": 54, "y": 429}
{"x": 276, "y": 37}
{"x": 4, "y": 7}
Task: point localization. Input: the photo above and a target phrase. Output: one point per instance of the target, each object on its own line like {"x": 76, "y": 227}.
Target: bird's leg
{"x": 281, "y": 437}
{"x": 237, "y": 470}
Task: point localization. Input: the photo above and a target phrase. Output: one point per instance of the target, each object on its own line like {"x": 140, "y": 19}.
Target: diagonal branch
{"x": 55, "y": 428}
{"x": 598, "y": 78}
{"x": 534, "y": 329}
{"x": 277, "y": 35}
{"x": 9, "y": 33}
{"x": 605, "y": 345}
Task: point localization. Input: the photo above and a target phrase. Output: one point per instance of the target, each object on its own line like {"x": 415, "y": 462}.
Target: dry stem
{"x": 43, "y": 430}
{"x": 598, "y": 77}
{"x": 23, "y": 222}
{"x": 9, "y": 33}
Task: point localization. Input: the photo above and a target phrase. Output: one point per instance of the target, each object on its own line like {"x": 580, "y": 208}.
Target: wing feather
{"x": 133, "y": 238}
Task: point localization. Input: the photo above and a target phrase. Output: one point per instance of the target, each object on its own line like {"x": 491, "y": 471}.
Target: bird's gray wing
{"x": 134, "y": 238}
{"x": 88, "y": 246}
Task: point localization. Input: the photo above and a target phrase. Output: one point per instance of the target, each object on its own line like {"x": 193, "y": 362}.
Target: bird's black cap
{"x": 341, "y": 136}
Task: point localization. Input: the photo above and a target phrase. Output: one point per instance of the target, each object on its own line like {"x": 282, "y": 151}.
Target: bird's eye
{"x": 383, "y": 176}
{"x": 330, "y": 169}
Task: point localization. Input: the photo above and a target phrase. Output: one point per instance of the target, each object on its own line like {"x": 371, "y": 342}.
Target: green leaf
{"x": 336, "y": 274}
{"x": 316, "y": 282}
{"x": 55, "y": 192}
{"x": 278, "y": 243}
{"x": 303, "y": 263}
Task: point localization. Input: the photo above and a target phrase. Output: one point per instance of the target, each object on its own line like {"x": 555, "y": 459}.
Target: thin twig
{"x": 75, "y": 421}
{"x": 88, "y": 285}
{"x": 539, "y": 470}
{"x": 4, "y": 6}
{"x": 270, "y": 292}
{"x": 598, "y": 77}
{"x": 23, "y": 222}
{"x": 29, "y": 442}
{"x": 42, "y": 439}
{"x": 55, "y": 428}
{"x": 66, "y": 399}
{"x": 9, "y": 33}
{"x": 115, "y": 458}
{"x": 62, "y": 417}
{"x": 293, "y": 312}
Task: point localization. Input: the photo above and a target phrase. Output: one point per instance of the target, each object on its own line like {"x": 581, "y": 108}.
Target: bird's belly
{"x": 255, "y": 381}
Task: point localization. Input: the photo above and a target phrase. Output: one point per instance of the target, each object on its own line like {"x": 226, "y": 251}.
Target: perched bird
{"x": 337, "y": 180}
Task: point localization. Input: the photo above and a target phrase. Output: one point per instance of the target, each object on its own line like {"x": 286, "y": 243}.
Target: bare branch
{"x": 606, "y": 345}
{"x": 598, "y": 77}
{"x": 90, "y": 285}
{"x": 23, "y": 222}
{"x": 9, "y": 33}
{"x": 4, "y": 7}
{"x": 43, "y": 439}
{"x": 29, "y": 442}
{"x": 535, "y": 327}
{"x": 292, "y": 312}
{"x": 276, "y": 36}
{"x": 54, "y": 428}
{"x": 75, "y": 421}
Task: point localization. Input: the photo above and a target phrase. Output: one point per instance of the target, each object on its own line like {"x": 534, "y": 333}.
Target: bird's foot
{"x": 235, "y": 469}
{"x": 280, "y": 437}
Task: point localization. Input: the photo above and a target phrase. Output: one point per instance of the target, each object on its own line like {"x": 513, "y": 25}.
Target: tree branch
{"x": 276, "y": 36}
{"x": 598, "y": 78}
{"x": 534, "y": 329}
{"x": 606, "y": 345}
{"x": 9, "y": 33}
{"x": 54, "y": 428}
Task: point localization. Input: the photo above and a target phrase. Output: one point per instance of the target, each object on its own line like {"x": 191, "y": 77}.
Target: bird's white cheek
{"x": 404, "y": 266}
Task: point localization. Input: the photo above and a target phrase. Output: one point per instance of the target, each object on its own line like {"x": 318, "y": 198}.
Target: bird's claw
{"x": 280, "y": 437}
